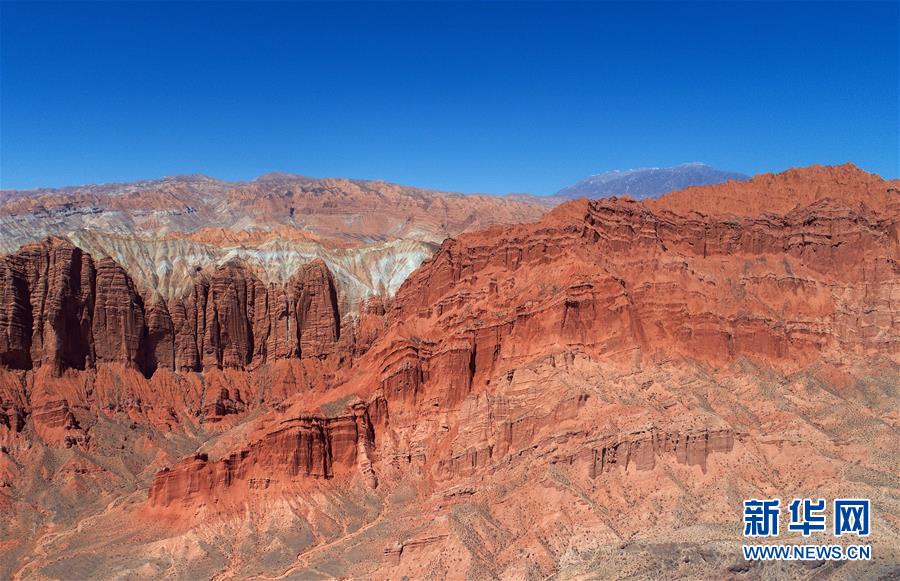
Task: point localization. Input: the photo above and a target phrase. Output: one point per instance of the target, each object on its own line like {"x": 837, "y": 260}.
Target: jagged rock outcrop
{"x": 78, "y": 338}
{"x": 15, "y": 317}
{"x": 305, "y": 447}
{"x": 118, "y": 327}
{"x": 615, "y": 274}
{"x": 641, "y": 450}
{"x": 160, "y": 346}
{"x": 48, "y": 295}
{"x": 62, "y": 310}
{"x": 316, "y": 307}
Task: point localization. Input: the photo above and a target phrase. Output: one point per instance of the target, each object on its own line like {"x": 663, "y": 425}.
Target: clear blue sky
{"x": 492, "y": 98}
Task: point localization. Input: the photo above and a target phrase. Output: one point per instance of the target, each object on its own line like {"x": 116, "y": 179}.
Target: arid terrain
{"x": 370, "y": 234}
{"x": 298, "y": 378}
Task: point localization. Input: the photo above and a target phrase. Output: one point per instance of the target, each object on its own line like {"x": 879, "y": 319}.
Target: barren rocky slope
{"x": 376, "y": 210}
{"x": 370, "y": 234}
{"x": 589, "y": 395}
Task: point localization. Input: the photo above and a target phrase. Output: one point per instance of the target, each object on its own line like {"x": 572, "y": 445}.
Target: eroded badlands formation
{"x": 370, "y": 234}
{"x": 592, "y": 394}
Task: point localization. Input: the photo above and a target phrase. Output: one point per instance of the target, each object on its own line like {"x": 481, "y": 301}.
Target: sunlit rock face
{"x": 594, "y": 391}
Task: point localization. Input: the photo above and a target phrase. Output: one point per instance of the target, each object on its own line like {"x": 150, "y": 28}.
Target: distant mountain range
{"x": 166, "y": 232}
{"x": 650, "y": 182}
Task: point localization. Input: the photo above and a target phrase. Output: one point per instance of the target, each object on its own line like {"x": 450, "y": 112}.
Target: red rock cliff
{"x": 303, "y": 447}
{"x": 60, "y": 309}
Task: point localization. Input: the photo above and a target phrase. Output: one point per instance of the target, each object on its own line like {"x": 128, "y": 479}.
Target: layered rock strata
{"x": 304, "y": 447}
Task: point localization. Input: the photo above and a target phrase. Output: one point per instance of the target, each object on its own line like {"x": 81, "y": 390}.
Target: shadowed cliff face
{"x": 48, "y": 297}
{"x": 64, "y": 311}
{"x": 602, "y": 387}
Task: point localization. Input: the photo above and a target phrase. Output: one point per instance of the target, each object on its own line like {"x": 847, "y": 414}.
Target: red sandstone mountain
{"x": 781, "y": 193}
{"x": 589, "y": 395}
